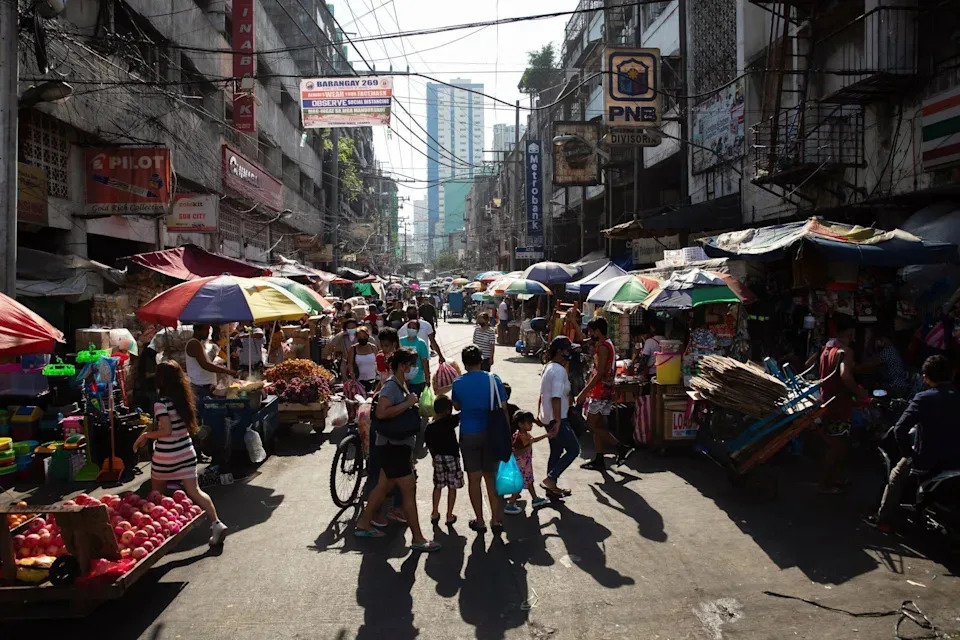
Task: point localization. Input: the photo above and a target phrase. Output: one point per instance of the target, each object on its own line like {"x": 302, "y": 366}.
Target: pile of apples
{"x": 41, "y": 539}
{"x": 140, "y": 524}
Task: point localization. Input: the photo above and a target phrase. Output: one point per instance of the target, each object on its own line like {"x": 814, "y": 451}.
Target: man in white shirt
{"x": 554, "y": 408}
{"x": 503, "y": 317}
{"x": 426, "y": 333}
{"x": 651, "y": 346}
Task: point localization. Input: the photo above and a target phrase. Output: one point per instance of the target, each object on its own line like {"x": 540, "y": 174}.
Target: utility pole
{"x": 521, "y": 154}
{"x": 8, "y": 144}
{"x": 682, "y": 109}
{"x": 335, "y": 196}
{"x": 638, "y": 151}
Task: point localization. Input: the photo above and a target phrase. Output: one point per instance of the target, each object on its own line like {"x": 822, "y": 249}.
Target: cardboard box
{"x": 99, "y": 338}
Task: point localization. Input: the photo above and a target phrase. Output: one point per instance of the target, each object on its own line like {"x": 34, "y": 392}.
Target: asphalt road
{"x": 661, "y": 548}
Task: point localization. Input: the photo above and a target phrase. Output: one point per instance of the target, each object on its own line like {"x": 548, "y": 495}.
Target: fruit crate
{"x": 88, "y": 535}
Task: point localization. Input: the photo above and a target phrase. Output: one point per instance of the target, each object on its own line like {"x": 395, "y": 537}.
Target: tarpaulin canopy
{"x": 23, "y": 332}
{"x": 607, "y": 272}
{"x": 287, "y": 268}
{"x": 591, "y": 262}
{"x": 696, "y": 287}
{"x": 42, "y": 274}
{"x": 189, "y": 262}
{"x": 834, "y": 241}
{"x": 352, "y": 274}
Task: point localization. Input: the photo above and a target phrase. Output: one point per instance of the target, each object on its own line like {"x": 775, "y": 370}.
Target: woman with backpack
{"x": 396, "y": 423}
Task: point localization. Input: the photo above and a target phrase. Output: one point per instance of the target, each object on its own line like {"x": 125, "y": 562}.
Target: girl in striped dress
{"x": 174, "y": 458}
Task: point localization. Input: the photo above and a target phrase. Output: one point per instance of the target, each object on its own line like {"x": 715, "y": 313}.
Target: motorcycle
{"x": 931, "y": 501}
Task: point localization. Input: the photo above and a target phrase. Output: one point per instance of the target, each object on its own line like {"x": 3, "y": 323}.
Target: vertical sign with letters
{"x": 244, "y": 66}
{"x": 535, "y": 202}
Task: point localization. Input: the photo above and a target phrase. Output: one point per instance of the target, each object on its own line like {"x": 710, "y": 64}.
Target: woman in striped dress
{"x": 174, "y": 458}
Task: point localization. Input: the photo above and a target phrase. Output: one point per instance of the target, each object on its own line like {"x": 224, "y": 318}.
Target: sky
{"x": 494, "y": 55}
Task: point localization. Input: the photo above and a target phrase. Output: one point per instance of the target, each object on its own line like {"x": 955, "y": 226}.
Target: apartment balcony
{"x": 871, "y": 57}
{"x": 801, "y": 142}
{"x": 578, "y": 39}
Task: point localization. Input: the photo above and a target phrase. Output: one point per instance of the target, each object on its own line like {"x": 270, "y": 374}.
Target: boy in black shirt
{"x": 441, "y": 440}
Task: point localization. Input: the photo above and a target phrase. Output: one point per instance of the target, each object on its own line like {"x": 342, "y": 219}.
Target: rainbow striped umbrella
{"x": 219, "y": 299}
{"x": 521, "y": 286}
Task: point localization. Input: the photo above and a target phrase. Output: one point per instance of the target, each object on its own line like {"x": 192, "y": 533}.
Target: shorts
{"x": 447, "y": 472}
{"x": 477, "y": 453}
{"x": 485, "y": 364}
{"x": 598, "y": 406}
{"x": 368, "y": 385}
{"x": 395, "y": 460}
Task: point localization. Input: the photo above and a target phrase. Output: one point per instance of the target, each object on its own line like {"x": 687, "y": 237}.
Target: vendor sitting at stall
{"x": 651, "y": 345}
{"x": 248, "y": 348}
{"x": 886, "y": 365}
{"x": 201, "y": 370}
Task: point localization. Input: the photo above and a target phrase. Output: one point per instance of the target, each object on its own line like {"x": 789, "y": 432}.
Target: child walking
{"x": 441, "y": 440}
{"x": 523, "y": 440}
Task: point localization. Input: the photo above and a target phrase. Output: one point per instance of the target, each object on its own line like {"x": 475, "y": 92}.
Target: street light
{"x": 55, "y": 91}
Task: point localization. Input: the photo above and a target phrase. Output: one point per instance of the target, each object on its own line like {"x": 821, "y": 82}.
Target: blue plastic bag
{"x": 509, "y": 478}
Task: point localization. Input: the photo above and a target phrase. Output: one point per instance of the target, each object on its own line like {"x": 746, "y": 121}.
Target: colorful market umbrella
{"x": 624, "y": 293}
{"x": 219, "y": 299}
{"x": 23, "y": 332}
{"x": 459, "y": 282}
{"x": 489, "y": 276}
{"x": 414, "y": 286}
{"x": 694, "y": 288}
{"x": 473, "y": 286}
{"x": 314, "y": 300}
{"x": 482, "y": 296}
{"x": 521, "y": 286}
{"x": 551, "y": 272}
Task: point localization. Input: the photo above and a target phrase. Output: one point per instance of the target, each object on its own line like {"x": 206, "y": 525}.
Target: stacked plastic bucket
{"x": 8, "y": 463}
{"x": 24, "y": 450}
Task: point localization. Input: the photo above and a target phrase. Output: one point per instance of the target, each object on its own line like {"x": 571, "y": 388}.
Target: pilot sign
{"x": 631, "y": 82}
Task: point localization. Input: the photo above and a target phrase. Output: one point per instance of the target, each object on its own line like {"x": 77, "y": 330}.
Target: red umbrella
{"x": 23, "y": 332}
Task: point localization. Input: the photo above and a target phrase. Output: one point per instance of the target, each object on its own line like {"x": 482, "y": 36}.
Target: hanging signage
{"x": 323, "y": 254}
{"x": 194, "y": 213}
{"x": 631, "y": 87}
{"x": 718, "y": 125}
{"x": 619, "y": 137}
{"x": 535, "y": 202}
{"x": 529, "y": 253}
{"x": 244, "y": 65}
{"x": 31, "y": 194}
{"x": 941, "y": 130}
{"x": 575, "y": 159}
{"x": 250, "y": 180}
{"x": 306, "y": 241}
{"x": 128, "y": 180}
{"x": 346, "y": 102}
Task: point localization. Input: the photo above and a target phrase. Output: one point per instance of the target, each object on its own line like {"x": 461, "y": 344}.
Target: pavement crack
{"x": 713, "y": 614}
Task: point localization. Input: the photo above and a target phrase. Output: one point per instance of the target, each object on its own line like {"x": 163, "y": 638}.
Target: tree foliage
{"x": 350, "y": 182}
{"x": 543, "y": 70}
{"x": 447, "y": 261}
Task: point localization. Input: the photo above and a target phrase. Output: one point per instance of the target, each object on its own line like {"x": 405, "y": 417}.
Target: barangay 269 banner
{"x": 362, "y": 101}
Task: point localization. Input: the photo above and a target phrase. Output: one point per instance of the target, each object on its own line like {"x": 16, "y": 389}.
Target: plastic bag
{"x": 509, "y": 477}
{"x": 352, "y": 389}
{"x": 254, "y": 446}
{"x": 444, "y": 377}
{"x": 426, "y": 403}
{"x": 363, "y": 422}
{"x": 337, "y": 416}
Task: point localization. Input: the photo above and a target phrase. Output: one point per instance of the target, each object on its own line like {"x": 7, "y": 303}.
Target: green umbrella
{"x": 316, "y": 302}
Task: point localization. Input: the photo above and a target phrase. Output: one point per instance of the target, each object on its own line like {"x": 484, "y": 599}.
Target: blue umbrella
{"x": 551, "y": 272}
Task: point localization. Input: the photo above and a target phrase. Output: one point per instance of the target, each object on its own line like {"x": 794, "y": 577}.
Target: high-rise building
{"x": 421, "y": 231}
{"x": 454, "y": 153}
{"x": 504, "y": 137}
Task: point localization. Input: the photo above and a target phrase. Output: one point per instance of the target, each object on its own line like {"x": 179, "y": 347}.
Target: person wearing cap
{"x": 554, "y": 408}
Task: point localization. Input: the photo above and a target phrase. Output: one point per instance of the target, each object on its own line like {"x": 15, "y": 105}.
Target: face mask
{"x": 379, "y": 324}
{"x": 351, "y": 332}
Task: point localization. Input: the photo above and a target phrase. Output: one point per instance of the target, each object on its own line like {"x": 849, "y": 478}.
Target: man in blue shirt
{"x": 471, "y": 395}
{"x": 936, "y": 446}
{"x": 420, "y": 374}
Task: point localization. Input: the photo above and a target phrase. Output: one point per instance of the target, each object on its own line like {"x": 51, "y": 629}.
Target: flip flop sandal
{"x": 427, "y": 547}
{"x": 368, "y": 533}
{"x": 382, "y": 524}
{"x": 556, "y": 491}
{"x": 477, "y": 526}
{"x": 451, "y": 520}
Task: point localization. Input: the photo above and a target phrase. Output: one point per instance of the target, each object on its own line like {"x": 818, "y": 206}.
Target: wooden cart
{"x": 314, "y": 414}
{"x": 88, "y": 536}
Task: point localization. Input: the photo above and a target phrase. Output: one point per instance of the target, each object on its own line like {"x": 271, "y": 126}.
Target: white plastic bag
{"x": 254, "y": 446}
{"x": 337, "y": 416}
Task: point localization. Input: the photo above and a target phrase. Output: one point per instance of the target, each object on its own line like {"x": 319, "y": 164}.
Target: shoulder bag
{"x": 498, "y": 431}
{"x": 400, "y": 427}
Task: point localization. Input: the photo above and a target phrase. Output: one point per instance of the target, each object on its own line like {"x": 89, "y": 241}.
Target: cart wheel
{"x": 64, "y": 570}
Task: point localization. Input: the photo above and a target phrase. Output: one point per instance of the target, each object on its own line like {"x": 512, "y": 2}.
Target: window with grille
{"x": 44, "y": 144}
{"x": 229, "y": 225}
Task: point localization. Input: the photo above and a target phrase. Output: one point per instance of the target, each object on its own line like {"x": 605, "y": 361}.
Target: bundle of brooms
{"x": 733, "y": 385}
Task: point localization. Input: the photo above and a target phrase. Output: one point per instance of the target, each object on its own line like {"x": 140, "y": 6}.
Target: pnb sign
{"x": 631, "y": 87}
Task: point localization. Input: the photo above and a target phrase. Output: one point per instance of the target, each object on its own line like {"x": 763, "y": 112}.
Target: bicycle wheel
{"x": 346, "y": 472}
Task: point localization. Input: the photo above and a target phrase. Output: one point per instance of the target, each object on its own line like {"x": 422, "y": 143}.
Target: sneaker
{"x": 539, "y": 502}
{"x": 513, "y": 510}
{"x": 217, "y": 531}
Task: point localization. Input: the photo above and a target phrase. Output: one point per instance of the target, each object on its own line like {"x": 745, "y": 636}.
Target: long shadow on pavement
{"x": 386, "y": 596}
{"x": 583, "y": 538}
{"x": 494, "y": 594}
{"x": 631, "y": 504}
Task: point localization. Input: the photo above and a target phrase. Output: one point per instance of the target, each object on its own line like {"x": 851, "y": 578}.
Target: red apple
{"x": 52, "y": 550}
{"x": 147, "y": 507}
{"x": 32, "y": 540}
{"x": 148, "y": 546}
{"x": 24, "y": 552}
{"x": 167, "y": 503}
{"x": 45, "y": 538}
{"x": 115, "y": 520}
{"x": 126, "y": 537}
{"x": 150, "y": 529}
{"x": 179, "y": 508}
{"x": 118, "y": 531}
{"x": 139, "y": 552}
{"x": 19, "y": 540}
{"x": 179, "y": 495}
{"x": 58, "y": 540}
{"x": 125, "y": 553}
{"x": 69, "y": 503}
{"x": 51, "y": 519}
{"x": 36, "y": 524}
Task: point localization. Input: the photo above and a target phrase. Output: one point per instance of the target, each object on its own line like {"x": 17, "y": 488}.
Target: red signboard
{"x": 250, "y": 180}
{"x": 128, "y": 180}
{"x": 244, "y": 65}
{"x": 244, "y": 114}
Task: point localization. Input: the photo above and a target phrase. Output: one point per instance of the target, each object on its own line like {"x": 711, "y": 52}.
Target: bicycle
{"x": 349, "y": 465}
